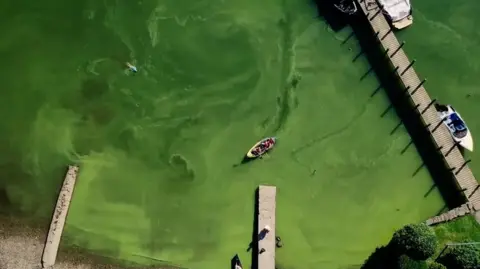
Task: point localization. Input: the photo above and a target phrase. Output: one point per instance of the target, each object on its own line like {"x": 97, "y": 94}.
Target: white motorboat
{"x": 457, "y": 127}
{"x": 399, "y": 12}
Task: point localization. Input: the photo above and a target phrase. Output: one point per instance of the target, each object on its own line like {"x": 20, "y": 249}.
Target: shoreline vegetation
{"x": 418, "y": 246}
{"x": 22, "y": 243}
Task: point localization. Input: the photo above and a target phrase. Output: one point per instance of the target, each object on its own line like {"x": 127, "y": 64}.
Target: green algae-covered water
{"x": 160, "y": 150}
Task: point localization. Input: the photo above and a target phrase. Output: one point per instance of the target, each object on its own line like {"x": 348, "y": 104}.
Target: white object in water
{"x": 398, "y": 11}
{"x": 457, "y": 127}
{"x": 131, "y": 67}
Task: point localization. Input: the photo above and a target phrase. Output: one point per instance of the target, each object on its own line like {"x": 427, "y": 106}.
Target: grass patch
{"x": 464, "y": 229}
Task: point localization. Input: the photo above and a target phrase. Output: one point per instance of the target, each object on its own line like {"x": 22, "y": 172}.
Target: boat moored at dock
{"x": 456, "y": 125}
{"x": 399, "y": 12}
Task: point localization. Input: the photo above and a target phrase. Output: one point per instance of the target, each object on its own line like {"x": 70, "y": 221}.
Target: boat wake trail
{"x": 337, "y": 132}
{"x": 286, "y": 100}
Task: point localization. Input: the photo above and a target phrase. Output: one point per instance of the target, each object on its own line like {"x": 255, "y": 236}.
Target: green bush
{"x": 417, "y": 241}
{"x": 461, "y": 257}
{"x": 436, "y": 265}
{"x": 405, "y": 262}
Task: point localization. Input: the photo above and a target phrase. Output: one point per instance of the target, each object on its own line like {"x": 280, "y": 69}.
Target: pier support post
{"x": 395, "y": 70}
{"x": 476, "y": 188}
{"x": 408, "y": 67}
{"x": 376, "y": 14}
{"x": 418, "y": 87}
{"x": 452, "y": 148}
{"x": 429, "y": 105}
{"x": 398, "y": 49}
{"x": 385, "y": 53}
{"x": 463, "y": 166}
{"x": 405, "y": 91}
{"x": 386, "y": 34}
{"x": 437, "y": 126}
{"x": 376, "y": 90}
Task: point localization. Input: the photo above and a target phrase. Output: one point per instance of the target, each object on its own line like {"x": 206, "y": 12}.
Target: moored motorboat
{"x": 346, "y": 6}
{"x": 456, "y": 125}
{"x": 261, "y": 147}
{"x": 399, "y": 12}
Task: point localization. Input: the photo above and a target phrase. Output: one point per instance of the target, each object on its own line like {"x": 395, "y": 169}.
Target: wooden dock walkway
{"x": 266, "y": 217}
{"x": 422, "y": 102}
{"x": 450, "y": 215}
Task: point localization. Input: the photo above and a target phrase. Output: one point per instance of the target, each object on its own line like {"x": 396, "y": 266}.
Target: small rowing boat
{"x": 261, "y": 147}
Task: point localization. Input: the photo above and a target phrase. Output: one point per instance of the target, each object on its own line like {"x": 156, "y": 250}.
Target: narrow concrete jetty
{"x": 450, "y": 215}
{"x": 266, "y": 219}
{"x": 422, "y": 103}
{"x": 59, "y": 216}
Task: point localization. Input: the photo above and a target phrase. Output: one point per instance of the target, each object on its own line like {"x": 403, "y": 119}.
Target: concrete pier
{"x": 266, "y": 218}
{"x": 59, "y": 216}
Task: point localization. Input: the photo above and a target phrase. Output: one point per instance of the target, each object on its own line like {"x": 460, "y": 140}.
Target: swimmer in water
{"x": 131, "y": 67}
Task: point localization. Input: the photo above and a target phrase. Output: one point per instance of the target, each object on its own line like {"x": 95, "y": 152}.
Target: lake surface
{"x": 160, "y": 150}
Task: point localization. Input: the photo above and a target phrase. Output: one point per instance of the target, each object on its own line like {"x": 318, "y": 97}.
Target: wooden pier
{"x": 58, "y": 220}
{"x": 422, "y": 102}
{"x": 450, "y": 215}
{"x": 266, "y": 218}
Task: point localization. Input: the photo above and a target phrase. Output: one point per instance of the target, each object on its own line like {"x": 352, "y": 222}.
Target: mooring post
{"x": 395, "y": 70}
{"x": 437, "y": 126}
{"x": 452, "y": 169}
{"x": 375, "y": 15}
{"x": 386, "y": 34}
{"x": 385, "y": 53}
{"x": 377, "y": 34}
{"x": 408, "y": 67}
{"x": 405, "y": 90}
{"x": 416, "y": 106}
{"x": 376, "y": 90}
{"x": 428, "y": 125}
{"x": 398, "y": 49}
{"x": 463, "y": 166}
{"x": 440, "y": 149}
{"x": 476, "y": 188}
{"x": 429, "y": 105}
{"x": 418, "y": 87}
{"x": 453, "y": 147}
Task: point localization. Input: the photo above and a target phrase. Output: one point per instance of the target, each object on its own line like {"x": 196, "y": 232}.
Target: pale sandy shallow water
{"x": 158, "y": 149}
